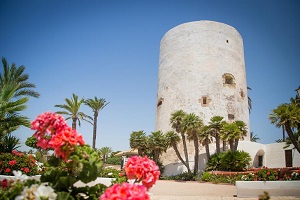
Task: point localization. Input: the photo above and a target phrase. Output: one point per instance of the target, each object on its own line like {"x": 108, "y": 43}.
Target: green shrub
{"x": 185, "y": 176}
{"x": 235, "y": 161}
{"x": 229, "y": 161}
{"x": 114, "y": 160}
{"x": 206, "y": 176}
{"x": 214, "y": 163}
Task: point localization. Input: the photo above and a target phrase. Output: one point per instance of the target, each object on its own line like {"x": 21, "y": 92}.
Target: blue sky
{"x": 110, "y": 49}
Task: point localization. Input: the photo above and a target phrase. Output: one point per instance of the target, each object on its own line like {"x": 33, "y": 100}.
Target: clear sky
{"x": 110, "y": 49}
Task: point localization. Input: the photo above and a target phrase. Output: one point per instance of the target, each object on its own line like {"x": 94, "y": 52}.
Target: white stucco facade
{"x": 202, "y": 71}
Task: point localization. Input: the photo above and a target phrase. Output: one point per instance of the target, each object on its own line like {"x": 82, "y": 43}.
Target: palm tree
{"x": 15, "y": 91}
{"x": 173, "y": 139}
{"x": 287, "y": 115}
{"x": 176, "y": 123}
{"x": 138, "y": 140}
{"x": 72, "y": 107}
{"x": 249, "y": 101}
{"x": 215, "y": 125}
{"x": 157, "y": 142}
{"x": 15, "y": 75}
{"x": 253, "y": 138}
{"x": 9, "y": 143}
{"x": 205, "y": 139}
{"x": 105, "y": 152}
{"x": 191, "y": 125}
{"x": 96, "y": 105}
{"x": 233, "y": 132}
{"x": 10, "y": 119}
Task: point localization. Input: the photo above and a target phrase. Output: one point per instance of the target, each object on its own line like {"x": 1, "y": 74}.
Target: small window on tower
{"x": 230, "y": 116}
{"x": 228, "y": 80}
{"x": 204, "y": 101}
{"x": 160, "y": 102}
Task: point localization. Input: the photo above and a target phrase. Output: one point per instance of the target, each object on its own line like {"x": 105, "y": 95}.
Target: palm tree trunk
{"x": 231, "y": 144}
{"x": 95, "y": 129}
{"x": 236, "y": 143}
{"x": 217, "y": 142}
{"x": 224, "y": 145}
{"x": 291, "y": 136}
{"x": 185, "y": 151}
{"x": 207, "y": 150}
{"x": 74, "y": 120}
{"x": 180, "y": 158}
{"x": 196, "y": 144}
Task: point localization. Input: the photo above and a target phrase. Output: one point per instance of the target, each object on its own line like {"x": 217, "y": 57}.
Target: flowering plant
{"x": 139, "y": 170}
{"x": 72, "y": 161}
{"x": 266, "y": 174}
{"x": 18, "y": 161}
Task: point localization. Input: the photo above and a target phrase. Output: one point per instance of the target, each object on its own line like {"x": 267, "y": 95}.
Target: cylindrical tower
{"x": 202, "y": 71}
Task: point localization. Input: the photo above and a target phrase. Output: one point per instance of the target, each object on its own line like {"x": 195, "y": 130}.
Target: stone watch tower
{"x": 202, "y": 70}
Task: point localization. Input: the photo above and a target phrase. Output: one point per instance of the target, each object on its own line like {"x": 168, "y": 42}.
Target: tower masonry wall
{"x": 202, "y": 71}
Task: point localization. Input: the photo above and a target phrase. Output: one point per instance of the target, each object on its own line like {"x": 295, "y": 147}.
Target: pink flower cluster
{"x": 125, "y": 191}
{"x": 142, "y": 169}
{"x": 52, "y": 132}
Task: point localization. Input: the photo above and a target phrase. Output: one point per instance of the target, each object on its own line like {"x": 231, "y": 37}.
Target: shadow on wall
{"x": 259, "y": 159}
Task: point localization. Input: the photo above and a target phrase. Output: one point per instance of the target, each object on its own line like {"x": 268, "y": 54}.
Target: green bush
{"x": 218, "y": 178}
{"x": 185, "y": 176}
{"x": 114, "y": 160}
{"x": 206, "y": 176}
{"x": 229, "y": 161}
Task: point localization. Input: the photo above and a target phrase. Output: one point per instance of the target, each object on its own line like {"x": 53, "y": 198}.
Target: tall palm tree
{"x": 157, "y": 142}
{"x": 138, "y": 140}
{"x": 215, "y": 126}
{"x": 173, "y": 140}
{"x": 287, "y": 115}
{"x": 176, "y": 121}
{"x": 205, "y": 139}
{"x": 15, "y": 91}
{"x": 230, "y": 132}
{"x": 105, "y": 152}
{"x": 10, "y": 119}
{"x": 15, "y": 75}
{"x": 191, "y": 125}
{"x": 72, "y": 107}
{"x": 96, "y": 105}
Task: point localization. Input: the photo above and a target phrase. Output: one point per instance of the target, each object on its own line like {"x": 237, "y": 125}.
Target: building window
{"x": 204, "y": 101}
{"x": 228, "y": 80}
{"x": 260, "y": 161}
{"x": 230, "y": 116}
{"x": 242, "y": 94}
{"x": 288, "y": 158}
{"x": 160, "y": 102}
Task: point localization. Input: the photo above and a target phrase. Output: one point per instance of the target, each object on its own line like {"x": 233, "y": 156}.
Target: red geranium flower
{"x": 142, "y": 169}
{"x": 7, "y": 170}
{"x": 12, "y": 162}
{"x": 125, "y": 191}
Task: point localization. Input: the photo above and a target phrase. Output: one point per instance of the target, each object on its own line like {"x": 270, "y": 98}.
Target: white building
{"x": 202, "y": 71}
